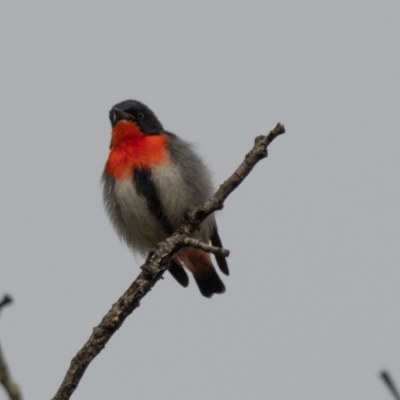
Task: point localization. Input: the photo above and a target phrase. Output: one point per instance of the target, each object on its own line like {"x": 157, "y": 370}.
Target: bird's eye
{"x": 141, "y": 115}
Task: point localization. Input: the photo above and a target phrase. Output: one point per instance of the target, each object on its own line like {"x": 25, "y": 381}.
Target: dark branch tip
{"x": 390, "y": 383}
{"x": 279, "y": 129}
{"x": 7, "y": 299}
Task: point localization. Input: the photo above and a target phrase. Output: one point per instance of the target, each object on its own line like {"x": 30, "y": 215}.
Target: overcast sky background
{"x": 311, "y": 309}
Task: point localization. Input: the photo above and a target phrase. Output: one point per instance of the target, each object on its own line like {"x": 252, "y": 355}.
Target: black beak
{"x": 117, "y": 115}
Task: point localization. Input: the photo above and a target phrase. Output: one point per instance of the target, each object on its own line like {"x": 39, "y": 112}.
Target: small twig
{"x": 7, "y": 299}
{"x": 390, "y": 384}
{"x": 198, "y": 244}
{"x": 155, "y": 266}
{"x": 5, "y": 378}
{"x": 9, "y": 385}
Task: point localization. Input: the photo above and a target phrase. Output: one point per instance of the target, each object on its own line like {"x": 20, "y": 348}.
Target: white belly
{"x": 139, "y": 227}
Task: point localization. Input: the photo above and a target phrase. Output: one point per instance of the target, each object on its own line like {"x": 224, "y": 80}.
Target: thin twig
{"x": 7, "y": 299}
{"x": 155, "y": 266}
{"x": 5, "y": 378}
{"x": 198, "y": 244}
{"x": 9, "y": 385}
{"x": 390, "y": 384}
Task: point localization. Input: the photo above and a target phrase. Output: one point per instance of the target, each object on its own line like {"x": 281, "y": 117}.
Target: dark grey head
{"x": 133, "y": 110}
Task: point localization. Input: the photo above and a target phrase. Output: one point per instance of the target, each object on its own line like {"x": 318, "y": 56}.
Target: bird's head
{"x": 136, "y": 113}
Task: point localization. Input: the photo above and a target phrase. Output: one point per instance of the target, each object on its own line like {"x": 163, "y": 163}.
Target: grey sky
{"x": 311, "y": 309}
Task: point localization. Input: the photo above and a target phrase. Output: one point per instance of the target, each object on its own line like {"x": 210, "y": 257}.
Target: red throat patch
{"x": 131, "y": 148}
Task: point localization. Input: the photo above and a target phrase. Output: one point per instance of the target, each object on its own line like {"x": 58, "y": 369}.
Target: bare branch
{"x": 9, "y": 385}
{"x": 390, "y": 384}
{"x": 7, "y": 299}
{"x": 5, "y": 378}
{"x": 155, "y": 266}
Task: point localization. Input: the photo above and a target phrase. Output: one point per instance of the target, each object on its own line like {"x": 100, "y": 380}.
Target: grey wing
{"x": 195, "y": 173}
{"x": 196, "y": 176}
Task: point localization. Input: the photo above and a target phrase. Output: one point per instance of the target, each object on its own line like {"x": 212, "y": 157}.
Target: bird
{"x": 151, "y": 179}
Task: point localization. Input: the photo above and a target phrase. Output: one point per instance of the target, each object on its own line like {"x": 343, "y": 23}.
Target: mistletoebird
{"x": 150, "y": 180}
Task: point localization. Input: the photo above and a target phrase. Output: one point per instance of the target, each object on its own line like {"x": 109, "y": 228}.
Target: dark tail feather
{"x": 210, "y": 283}
{"x": 221, "y": 261}
{"x": 178, "y": 273}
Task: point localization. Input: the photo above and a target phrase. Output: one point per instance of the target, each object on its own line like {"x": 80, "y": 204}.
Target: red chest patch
{"x": 131, "y": 149}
